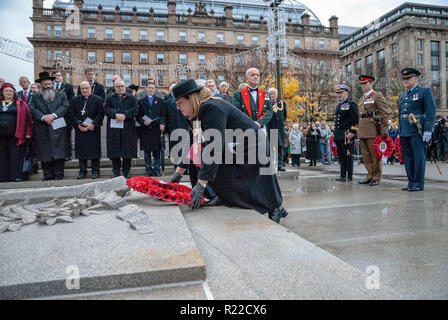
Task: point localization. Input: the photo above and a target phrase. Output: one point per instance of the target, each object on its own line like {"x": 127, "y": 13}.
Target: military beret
{"x": 342, "y": 87}
{"x": 364, "y": 78}
{"x": 410, "y": 72}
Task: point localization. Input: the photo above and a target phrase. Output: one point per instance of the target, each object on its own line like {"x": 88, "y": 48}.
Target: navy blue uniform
{"x": 420, "y": 102}
{"x": 345, "y": 118}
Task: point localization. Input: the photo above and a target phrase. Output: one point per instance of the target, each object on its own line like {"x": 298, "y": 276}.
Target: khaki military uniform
{"x": 373, "y": 116}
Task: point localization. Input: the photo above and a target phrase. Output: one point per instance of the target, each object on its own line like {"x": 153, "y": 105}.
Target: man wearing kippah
{"x": 373, "y": 121}
{"x": 419, "y": 102}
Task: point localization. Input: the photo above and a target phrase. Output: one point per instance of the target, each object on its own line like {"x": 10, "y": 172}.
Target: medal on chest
{"x": 415, "y": 97}
{"x": 345, "y": 106}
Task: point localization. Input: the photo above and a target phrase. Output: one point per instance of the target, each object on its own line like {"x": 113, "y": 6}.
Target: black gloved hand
{"x": 175, "y": 178}
{"x": 196, "y": 196}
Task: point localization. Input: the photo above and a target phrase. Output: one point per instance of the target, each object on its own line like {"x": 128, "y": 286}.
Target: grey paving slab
{"x": 250, "y": 257}
{"x": 404, "y": 234}
{"x": 108, "y": 253}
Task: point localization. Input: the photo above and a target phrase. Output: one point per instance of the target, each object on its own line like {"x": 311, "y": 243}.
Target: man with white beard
{"x": 48, "y": 109}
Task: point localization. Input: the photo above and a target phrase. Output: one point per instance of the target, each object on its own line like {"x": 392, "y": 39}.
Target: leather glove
{"x": 196, "y": 196}
{"x": 175, "y": 178}
{"x": 427, "y": 136}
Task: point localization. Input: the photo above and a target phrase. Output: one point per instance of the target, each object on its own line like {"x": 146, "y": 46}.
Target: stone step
{"x": 107, "y": 163}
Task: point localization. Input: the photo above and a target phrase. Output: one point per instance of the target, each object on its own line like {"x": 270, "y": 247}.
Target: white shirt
{"x": 253, "y": 93}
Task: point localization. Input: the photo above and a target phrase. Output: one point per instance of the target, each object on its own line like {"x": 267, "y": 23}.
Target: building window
{"x": 201, "y": 37}
{"x": 58, "y": 31}
{"x": 143, "y": 57}
{"x": 201, "y": 59}
{"x": 255, "y": 40}
{"x": 91, "y": 33}
{"x": 57, "y": 54}
{"x": 126, "y": 57}
{"x": 67, "y": 77}
{"x": 358, "y": 67}
{"x": 435, "y": 71}
{"x": 91, "y": 56}
{"x": 109, "y": 34}
{"x": 240, "y": 39}
{"x": 126, "y": 34}
{"x": 182, "y": 36}
{"x": 348, "y": 69}
{"x": 109, "y": 79}
{"x": 160, "y": 35}
{"x": 220, "y": 60}
{"x": 381, "y": 59}
{"x": 182, "y": 77}
{"x": 143, "y": 35}
{"x": 161, "y": 79}
{"x": 143, "y": 79}
{"x": 160, "y": 58}
{"x": 369, "y": 64}
{"x": 394, "y": 62}
{"x": 220, "y": 38}
{"x": 297, "y": 43}
{"x": 67, "y": 33}
{"x": 182, "y": 58}
{"x": 420, "y": 59}
{"x": 202, "y": 77}
{"x": 322, "y": 44}
{"x": 49, "y": 56}
{"x": 109, "y": 57}
{"x": 419, "y": 44}
{"x": 49, "y": 31}
{"x": 127, "y": 79}
{"x": 67, "y": 54}
{"x": 220, "y": 79}
{"x": 394, "y": 48}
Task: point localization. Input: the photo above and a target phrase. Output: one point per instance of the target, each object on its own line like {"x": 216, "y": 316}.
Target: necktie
{"x": 25, "y": 95}
{"x": 252, "y": 90}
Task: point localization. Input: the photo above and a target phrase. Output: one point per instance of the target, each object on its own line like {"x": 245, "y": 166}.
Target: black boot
{"x": 278, "y": 213}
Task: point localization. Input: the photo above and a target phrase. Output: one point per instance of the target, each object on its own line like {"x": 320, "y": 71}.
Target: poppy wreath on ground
{"x": 398, "y": 151}
{"x": 171, "y": 192}
{"x": 333, "y": 148}
{"x": 383, "y": 147}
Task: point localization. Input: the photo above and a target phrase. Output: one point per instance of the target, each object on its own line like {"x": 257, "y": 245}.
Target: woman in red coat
{"x": 16, "y": 128}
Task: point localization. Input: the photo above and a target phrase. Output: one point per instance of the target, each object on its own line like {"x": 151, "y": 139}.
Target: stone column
{"x": 171, "y": 12}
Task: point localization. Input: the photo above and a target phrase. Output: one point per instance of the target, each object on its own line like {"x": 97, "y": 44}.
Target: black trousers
{"x": 117, "y": 166}
{"x": 281, "y": 154}
{"x": 295, "y": 159}
{"x": 345, "y": 156}
{"x": 11, "y": 159}
{"x": 95, "y": 163}
{"x": 53, "y": 169}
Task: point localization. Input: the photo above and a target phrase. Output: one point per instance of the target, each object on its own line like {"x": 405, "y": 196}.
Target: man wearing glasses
{"x": 373, "y": 116}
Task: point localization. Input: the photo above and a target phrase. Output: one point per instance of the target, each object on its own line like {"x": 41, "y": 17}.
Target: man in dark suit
{"x": 48, "y": 109}
{"x": 111, "y": 90}
{"x": 152, "y": 118}
{"x": 24, "y": 94}
{"x": 253, "y": 101}
{"x": 414, "y": 136}
{"x": 97, "y": 88}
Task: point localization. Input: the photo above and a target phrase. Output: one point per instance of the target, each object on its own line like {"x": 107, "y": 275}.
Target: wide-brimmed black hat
{"x": 184, "y": 88}
{"x": 133, "y": 87}
{"x": 45, "y": 76}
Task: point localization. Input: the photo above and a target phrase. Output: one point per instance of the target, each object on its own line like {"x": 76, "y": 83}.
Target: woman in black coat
{"x": 312, "y": 141}
{"x": 239, "y": 185}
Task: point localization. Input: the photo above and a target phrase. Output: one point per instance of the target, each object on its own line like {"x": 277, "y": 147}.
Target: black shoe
{"x": 342, "y": 180}
{"x": 81, "y": 176}
{"x": 350, "y": 179}
{"x": 213, "y": 202}
{"x": 373, "y": 183}
{"x": 59, "y": 177}
{"x": 405, "y": 189}
{"x": 415, "y": 189}
{"x": 48, "y": 178}
{"x": 115, "y": 175}
{"x": 281, "y": 169}
{"x": 339, "y": 178}
{"x": 95, "y": 175}
{"x": 18, "y": 180}
{"x": 364, "y": 181}
{"x": 279, "y": 213}
{"x": 127, "y": 175}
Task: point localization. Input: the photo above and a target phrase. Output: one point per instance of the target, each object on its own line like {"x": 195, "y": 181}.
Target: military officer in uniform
{"x": 278, "y": 123}
{"x": 345, "y": 129}
{"x": 373, "y": 121}
{"x": 253, "y": 101}
{"x": 420, "y": 102}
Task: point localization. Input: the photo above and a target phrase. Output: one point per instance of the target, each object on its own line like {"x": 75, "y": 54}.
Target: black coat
{"x": 312, "y": 144}
{"x": 67, "y": 88}
{"x": 50, "y": 144}
{"x": 238, "y": 185}
{"x": 278, "y": 121}
{"x": 174, "y": 118}
{"x": 87, "y": 144}
{"x": 150, "y": 139}
{"x": 121, "y": 143}
{"x": 97, "y": 89}
{"x": 111, "y": 91}
{"x": 345, "y": 118}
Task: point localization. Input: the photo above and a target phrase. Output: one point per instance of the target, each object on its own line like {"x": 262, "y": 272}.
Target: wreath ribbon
{"x": 333, "y": 148}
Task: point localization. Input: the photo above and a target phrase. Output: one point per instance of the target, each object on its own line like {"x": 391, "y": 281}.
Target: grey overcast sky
{"x": 15, "y": 23}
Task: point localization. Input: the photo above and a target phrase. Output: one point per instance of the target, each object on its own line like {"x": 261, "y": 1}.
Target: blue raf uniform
{"x": 420, "y": 102}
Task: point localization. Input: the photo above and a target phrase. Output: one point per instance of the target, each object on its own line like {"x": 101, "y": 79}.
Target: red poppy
{"x": 51, "y": 99}
{"x": 155, "y": 101}
{"x": 124, "y": 97}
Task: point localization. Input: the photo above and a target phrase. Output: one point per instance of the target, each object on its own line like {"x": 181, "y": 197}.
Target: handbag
{"x": 27, "y": 165}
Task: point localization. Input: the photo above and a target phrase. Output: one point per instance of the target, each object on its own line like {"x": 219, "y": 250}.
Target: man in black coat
{"x": 278, "y": 123}
{"x": 121, "y": 109}
{"x": 174, "y": 118}
{"x": 48, "y": 109}
{"x": 111, "y": 91}
{"x": 87, "y": 113}
{"x": 152, "y": 118}
{"x": 97, "y": 88}
{"x": 345, "y": 129}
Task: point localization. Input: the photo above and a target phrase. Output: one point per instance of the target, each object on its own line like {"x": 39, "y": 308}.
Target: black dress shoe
{"x": 213, "y": 202}
{"x": 405, "y": 189}
{"x": 81, "y": 176}
{"x": 95, "y": 175}
{"x": 281, "y": 169}
{"x": 349, "y": 179}
{"x": 59, "y": 177}
{"x": 279, "y": 213}
{"x": 127, "y": 175}
{"x": 47, "y": 178}
{"x": 364, "y": 181}
{"x": 373, "y": 183}
{"x": 115, "y": 176}
{"x": 18, "y": 180}
{"x": 415, "y": 189}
